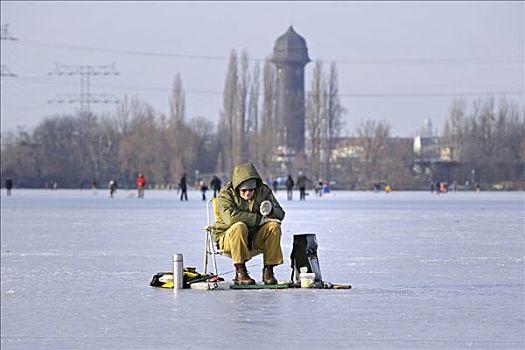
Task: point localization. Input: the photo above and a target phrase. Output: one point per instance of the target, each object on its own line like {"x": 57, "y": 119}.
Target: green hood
{"x": 243, "y": 172}
{"x": 232, "y": 208}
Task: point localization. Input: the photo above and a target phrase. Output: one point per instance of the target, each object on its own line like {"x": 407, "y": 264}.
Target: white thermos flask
{"x": 178, "y": 273}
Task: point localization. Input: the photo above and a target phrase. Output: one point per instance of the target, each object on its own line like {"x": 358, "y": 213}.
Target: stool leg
{"x": 206, "y": 251}
{"x": 214, "y": 258}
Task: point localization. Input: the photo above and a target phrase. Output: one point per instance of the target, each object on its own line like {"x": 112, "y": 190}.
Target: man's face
{"x": 247, "y": 194}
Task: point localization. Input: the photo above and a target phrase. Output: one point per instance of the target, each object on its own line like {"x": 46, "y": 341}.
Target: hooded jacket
{"x": 233, "y": 208}
{"x": 141, "y": 181}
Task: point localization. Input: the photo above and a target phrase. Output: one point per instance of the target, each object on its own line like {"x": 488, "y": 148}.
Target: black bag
{"x": 304, "y": 254}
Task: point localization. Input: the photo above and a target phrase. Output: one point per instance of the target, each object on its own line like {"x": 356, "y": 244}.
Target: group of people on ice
{"x": 182, "y": 186}
{"x": 301, "y": 183}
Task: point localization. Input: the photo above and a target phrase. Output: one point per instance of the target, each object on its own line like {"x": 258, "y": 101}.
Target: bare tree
{"x": 106, "y": 140}
{"x": 160, "y": 174}
{"x": 176, "y": 127}
{"x": 252, "y": 127}
{"x": 244, "y": 83}
{"x": 455, "y": 124}
{"x": 91, "y": 144}
{"x": 22, "y": 159}
{"x": 204, "y": 144}
{"x": 334, "y": 124}
{"x": 268, "y": 131}
{"x": 138, "y": 149}
{"x": 374, "y": 137}
{"x": 125, "y": 111}
{"x": 323, "y": 119}
{"x": 177, "y": 101}
{"x": 490, "y": 140}
{"x": 228, "y": 114}
{"x": 58, "y": 140}
{"x": 315, "y": 118}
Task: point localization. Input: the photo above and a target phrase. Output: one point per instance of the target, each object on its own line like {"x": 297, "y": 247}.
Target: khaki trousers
{"x": 267, "y": 239}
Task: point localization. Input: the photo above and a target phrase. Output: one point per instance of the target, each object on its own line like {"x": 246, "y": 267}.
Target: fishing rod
{"x": 231, "y": 271}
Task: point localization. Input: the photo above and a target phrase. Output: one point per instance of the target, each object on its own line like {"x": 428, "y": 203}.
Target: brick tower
{"x": 290, "y": 55}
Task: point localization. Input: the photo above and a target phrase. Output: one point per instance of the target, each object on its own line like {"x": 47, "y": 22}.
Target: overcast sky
{"x": 397, "y": 61}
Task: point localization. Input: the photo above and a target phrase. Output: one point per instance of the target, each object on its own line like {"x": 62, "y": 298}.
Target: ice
{"x": 428, "y": 272}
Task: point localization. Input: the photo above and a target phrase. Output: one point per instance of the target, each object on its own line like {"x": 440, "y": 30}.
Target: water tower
{"x": 290, "y": 55}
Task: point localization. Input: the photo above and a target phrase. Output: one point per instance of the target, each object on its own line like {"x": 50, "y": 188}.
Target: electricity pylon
{"x": 5, "y": 35}
{"x": 85, "y": 98}
{"x": 5, "y": 72}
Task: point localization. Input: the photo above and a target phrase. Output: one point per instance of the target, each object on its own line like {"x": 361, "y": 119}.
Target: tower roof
{"x": 290, "y": 47}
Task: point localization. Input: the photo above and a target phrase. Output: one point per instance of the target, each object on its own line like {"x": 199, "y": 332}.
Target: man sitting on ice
{"x": 249, "y": 219}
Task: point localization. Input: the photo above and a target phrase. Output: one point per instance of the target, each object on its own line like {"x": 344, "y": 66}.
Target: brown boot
{"x": 268, "y": 277}
{"x": 241, "y": 275}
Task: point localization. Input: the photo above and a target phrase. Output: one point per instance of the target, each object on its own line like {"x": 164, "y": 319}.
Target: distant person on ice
{"x": 141, "y": 185}
{"x": 183, "y": 188}
{"x": 215, "y": 185}
{"x": 112, "y": 188}
{"x": 203, "y": 188}
{"x": 8, "y": 185}
{"x": 275, "y": 185}
{"x": 249, "y": 219}
{"x": 301, "y": 183}
{"x": 289, "y": 187}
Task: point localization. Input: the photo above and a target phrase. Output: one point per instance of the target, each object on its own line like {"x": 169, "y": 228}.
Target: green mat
{"x": 260, "y": 286}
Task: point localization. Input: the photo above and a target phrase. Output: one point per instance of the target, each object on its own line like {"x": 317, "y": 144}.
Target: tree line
{"x": 489, "y": 139}
{"x": 76, "y": 149}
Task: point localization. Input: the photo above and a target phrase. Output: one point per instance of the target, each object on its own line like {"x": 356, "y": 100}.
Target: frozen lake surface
{"x": 428, "y": 272}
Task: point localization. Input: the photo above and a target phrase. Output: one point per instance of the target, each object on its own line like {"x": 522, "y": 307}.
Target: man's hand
{"x": 266, "y": 219}
{"x": 266, "y": 208}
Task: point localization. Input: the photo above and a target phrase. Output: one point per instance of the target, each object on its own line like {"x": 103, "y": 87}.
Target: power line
{"x": 411, "y": 61}
{"x": 436, "y": 94}
{"x": 38, "y": 80}
{"x": 352, "y": 61}
{"x": 121, "y": 51}
{"x": 430, "y": 61}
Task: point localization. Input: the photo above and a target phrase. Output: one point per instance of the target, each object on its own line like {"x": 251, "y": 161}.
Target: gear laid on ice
{"x": 165, "y": 279}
